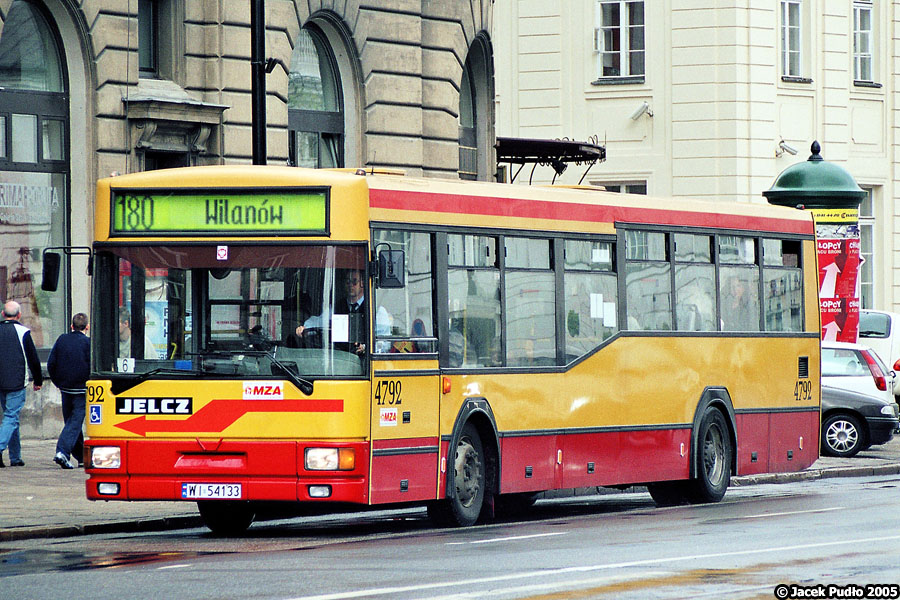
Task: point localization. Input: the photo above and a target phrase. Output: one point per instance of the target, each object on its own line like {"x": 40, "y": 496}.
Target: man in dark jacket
{"x": 69, "y": 366}
{"x": 16, "y": 352}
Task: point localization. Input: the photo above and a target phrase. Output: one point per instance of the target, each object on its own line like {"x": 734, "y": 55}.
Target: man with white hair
{"x": 17, "y": 352}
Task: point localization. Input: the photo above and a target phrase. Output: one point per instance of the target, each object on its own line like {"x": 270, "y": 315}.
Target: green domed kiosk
{"x": 815, "y": 184}
{"x": 832, "y": 195}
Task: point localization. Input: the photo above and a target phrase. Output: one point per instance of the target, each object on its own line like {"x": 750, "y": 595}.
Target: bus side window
{"x": 590, "y": 291}
{"x": 404, "y": 321}
{"x": 695, "y": 283}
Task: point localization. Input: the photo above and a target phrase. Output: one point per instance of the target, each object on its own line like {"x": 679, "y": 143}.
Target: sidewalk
{"x": 41, "y": 500}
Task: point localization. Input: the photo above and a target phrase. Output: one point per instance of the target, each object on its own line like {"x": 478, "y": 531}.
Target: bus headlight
{"x": 330, "y": 459}
{"x": 106, "y": 457}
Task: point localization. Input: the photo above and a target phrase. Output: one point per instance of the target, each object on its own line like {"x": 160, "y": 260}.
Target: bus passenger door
{"x": 405, "y": 440}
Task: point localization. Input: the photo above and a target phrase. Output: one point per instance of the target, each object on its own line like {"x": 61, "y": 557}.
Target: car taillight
{"x": 880, "y": 381}
{"x": 897, "y": 365}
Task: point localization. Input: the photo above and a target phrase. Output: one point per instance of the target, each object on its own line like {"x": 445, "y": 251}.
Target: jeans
{"x": 71, "y": 438}
{"x": 12, "y": 403}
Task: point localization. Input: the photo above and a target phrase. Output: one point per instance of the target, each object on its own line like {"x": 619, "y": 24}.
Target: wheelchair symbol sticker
{"x": 96, "y": 415}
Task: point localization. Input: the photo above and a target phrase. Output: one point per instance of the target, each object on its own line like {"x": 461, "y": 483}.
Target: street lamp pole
{"x": 258, "y": 79}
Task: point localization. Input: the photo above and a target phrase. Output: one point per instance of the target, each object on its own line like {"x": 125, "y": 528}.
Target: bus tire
{"x": 714, "y": 457}
{"x": 226, "y": 517}
{"x": 466, "y": 496}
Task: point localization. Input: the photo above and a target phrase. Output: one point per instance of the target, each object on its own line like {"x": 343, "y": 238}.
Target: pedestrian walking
{"x": 17, "y": 352}
{"x": 15, "y": 445}
{"x": 69, "y": 366}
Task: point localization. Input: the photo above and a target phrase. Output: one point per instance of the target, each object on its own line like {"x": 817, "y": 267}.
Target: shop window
{"x": 34, "y": 169}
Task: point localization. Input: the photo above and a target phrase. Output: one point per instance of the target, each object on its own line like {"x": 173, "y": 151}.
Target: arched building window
{"x": 468, "y": 141}
{"x": 315, "y": 103}
{"x": 34, "y": 165}
{"x": 476, "y": 113}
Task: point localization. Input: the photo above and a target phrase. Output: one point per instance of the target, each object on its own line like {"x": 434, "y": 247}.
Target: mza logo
{"x": 388, "y": 417}
{"x": 154, "y": 406}
{"x": 263, "y": 390}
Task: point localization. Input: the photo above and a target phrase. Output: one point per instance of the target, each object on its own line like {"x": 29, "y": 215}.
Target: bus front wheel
{"x": 714, "y": 457}
{"x": 225, "y": 517}
{"x": 466, "y": 499}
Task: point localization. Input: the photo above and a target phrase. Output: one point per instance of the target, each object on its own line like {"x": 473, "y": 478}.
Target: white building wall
{"x": 713, "y": 81}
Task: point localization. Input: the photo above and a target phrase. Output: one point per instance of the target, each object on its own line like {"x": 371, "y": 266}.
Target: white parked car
{"x": 856, "y": 368}
{"x": 880, "y": 331}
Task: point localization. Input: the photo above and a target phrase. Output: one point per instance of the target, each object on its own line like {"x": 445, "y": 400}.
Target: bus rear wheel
{"x": 225, "y": 517}
{"x": 463, "y": 507}
{"x": 715, "y": 454}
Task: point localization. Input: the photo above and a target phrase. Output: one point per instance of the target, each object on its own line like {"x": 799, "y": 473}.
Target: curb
{"x": 136, "y": 526}
{"x": 813, "y": 474}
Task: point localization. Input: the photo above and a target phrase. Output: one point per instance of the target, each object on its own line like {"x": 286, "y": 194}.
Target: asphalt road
{"x": 841, "y": 531}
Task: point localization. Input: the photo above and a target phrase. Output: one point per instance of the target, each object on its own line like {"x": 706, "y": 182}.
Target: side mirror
{"x": 391, "y": 269}
{"x": 50, "y": 271}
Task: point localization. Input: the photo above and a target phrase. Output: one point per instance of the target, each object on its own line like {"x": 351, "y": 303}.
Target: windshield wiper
{"x": 126, "y": 381}
{"x": 122, "y": 383}
{"x": 304, "y": 385}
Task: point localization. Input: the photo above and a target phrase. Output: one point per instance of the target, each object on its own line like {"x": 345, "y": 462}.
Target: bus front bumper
{"x": 225, "y": 470}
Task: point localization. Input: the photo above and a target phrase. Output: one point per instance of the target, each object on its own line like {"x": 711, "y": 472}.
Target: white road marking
{"x": 575, "y": 584}
{"x": 507, "y": 539}
{"x": 173, "y": 567}
{"x": 544, "y": 573}
{"x": 793, "y": 512}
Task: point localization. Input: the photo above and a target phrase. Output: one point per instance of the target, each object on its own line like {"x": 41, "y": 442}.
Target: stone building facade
{"x": 90, "y": 88}
{"x": 714, "y": 99}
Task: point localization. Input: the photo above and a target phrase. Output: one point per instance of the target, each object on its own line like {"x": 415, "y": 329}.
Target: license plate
{"x": 222, "y": 491}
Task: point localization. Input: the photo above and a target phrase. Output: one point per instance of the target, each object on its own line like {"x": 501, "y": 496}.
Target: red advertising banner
{"x": 837, "y": 247}
{"x": 840, "y": 319}
{"x": 838, "y": 267}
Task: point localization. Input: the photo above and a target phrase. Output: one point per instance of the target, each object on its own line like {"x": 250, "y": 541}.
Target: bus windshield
{"x": 235, "y": 311}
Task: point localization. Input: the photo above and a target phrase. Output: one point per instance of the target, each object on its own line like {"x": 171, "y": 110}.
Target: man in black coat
{"x": 16, "y": 352}
{"x": 69, "y": 366}
{"x": 355, "y": 306}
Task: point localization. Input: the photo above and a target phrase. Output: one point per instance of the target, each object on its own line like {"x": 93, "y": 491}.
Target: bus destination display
{"x": 155, "y": 211}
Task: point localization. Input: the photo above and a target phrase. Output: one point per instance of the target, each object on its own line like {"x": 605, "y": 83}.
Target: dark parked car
{"x": 852, "y": 421}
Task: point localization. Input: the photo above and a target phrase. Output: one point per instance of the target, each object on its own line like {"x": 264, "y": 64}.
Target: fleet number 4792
{"x": 802, "y": 390}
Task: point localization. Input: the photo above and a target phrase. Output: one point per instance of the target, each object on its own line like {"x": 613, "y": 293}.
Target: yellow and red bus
{"x": 279, "y": 336}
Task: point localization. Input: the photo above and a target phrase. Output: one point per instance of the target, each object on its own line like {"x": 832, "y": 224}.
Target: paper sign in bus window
{"x": 340, "y": 328}
{"x": 609, "y": 314}
{"x": 600, "y": 255}
{"x": 596, "y": 306}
